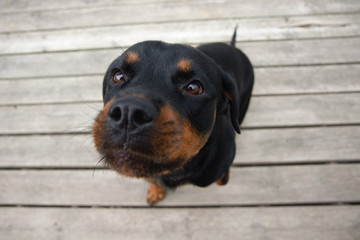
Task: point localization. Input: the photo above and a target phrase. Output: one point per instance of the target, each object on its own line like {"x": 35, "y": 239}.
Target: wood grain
{"x": 303, "y": 145}
{"x": 51, "y": 90}
{"x": 274, "y": 28}
{"x": 9, "y": 6}
{"x": 117, "y": 13}
{"x": 298, "y": 154}
{"x": 283, "y": 223}
{"x": 262, "y": 54}
{"x": 264, "y": 146}
{"x": 270, "y": 111}
{"x": 250, "y": 185}
{"x": 269, "y": 81}
{"x": 303, "y": 110}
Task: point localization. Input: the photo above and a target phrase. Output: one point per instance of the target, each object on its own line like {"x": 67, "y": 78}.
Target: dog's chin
{"x": 133, "y": 164}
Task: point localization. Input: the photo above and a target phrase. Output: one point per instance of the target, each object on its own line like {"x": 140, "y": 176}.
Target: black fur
{"x": 226, "y": 75}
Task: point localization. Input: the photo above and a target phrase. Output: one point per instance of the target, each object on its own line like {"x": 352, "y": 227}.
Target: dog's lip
{"x": 137, "y": 164}
{"x": 126, "y": 154}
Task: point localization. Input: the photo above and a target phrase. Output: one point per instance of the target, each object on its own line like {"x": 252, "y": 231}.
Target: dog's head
{"x": 161, "y": 102}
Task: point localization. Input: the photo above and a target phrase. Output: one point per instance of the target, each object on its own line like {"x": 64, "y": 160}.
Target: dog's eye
{"x": 194, "y": 88}
{"x": 118, "y": 77}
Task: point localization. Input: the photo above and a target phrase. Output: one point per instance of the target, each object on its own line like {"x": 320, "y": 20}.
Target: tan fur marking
{"x": 188, "y": 140}
{"x": 224, "y": 179}
{"x": 184, "y": 65}
{"x": 132, "y": 57}
{"x": 99, "y": 125}
{"x": 155, "y": 193}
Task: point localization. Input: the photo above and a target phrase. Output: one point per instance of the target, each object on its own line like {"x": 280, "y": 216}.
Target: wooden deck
{"x": 297, "y": 170}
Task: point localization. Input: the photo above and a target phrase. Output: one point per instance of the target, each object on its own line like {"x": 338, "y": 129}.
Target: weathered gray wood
{"x": 196, "y": 32}
{"x": 175, "y": 11}
{"x": 70, "y": 118}
{"x": 283, "y": 53}
{"x": 298, "y": 145}
{"x": 253, "y": 146}
{"x": 72, "y": 63}
{"x": 270, "y": 111}
{"x": 251, "y": 185}
{"x": 310, "y": 79}
{"x": 48, "y": 150}
{"x": 51, "y": 90}
{"x": 283, "y": 223}
{"x": 286, "y": 80}
{"x": 9, "y": 6}
{"x": 303, "y": 110}
{"x": 44, "y": 78}
{"x": 303, "y": 52}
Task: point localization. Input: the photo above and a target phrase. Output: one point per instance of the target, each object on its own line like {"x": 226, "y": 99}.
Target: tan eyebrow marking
{"x": 184, "y": 65}
{"x": 132, "y": 57}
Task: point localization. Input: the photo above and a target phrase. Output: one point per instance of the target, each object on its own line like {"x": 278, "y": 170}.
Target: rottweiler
{"x": 171, "y": 112}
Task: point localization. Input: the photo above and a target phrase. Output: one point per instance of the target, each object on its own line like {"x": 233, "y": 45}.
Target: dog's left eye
{"x": 118, "y": 77}
{"x": 194, "y": 88}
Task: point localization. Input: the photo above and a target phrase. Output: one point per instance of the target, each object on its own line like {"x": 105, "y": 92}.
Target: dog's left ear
{"x": 230, "y": 97}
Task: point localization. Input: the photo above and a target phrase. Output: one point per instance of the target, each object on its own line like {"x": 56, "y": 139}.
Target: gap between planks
{"x": 234, "y": 165}
{"x": 220, "y": 18}
{"x": 296, "y": 223}
{"x": 262, "y": 205}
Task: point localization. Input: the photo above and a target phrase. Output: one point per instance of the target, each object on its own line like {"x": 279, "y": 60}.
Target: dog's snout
{"x": 115, "y": 114}
{"x": 131, "y": 113}
{"x": 140, "y": 117}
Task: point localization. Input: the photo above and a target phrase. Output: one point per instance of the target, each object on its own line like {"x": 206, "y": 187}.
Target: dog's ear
{"x": 230, "y": 97}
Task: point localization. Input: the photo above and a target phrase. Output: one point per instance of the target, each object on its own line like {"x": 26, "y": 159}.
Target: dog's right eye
{"x": 194, "y": 88}
{"x": 118, "y": 77}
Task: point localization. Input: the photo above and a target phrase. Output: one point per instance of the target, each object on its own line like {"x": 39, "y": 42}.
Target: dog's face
{"x": 161, "y": 102}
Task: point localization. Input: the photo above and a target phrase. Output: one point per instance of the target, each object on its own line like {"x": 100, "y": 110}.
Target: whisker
{"x": 116, "y": 44}
{"x": 93, "y": 108}
{"x": 98, "y": 167}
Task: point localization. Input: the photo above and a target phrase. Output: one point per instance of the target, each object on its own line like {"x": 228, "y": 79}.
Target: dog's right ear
{"x": 230, "y": 97}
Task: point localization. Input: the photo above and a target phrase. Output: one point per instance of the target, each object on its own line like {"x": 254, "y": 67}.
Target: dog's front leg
{"x": 156, "y": 192}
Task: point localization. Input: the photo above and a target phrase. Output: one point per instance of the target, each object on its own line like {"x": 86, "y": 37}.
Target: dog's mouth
{"x": 167, "y": 143}
{"x": 150, "y": 155}
{"x": 134, "y": 164}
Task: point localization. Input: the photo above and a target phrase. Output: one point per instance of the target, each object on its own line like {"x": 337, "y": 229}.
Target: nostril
{"x": 115, "y": 114}
{"x": 140, "y": 117}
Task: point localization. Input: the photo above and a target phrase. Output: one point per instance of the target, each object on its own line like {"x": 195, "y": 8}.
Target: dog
{"x": 171, "y": 112}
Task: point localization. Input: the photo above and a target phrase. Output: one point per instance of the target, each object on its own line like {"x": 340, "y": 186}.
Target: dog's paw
{"x": 155, "y": 194}
{"x": 224, "y": 179}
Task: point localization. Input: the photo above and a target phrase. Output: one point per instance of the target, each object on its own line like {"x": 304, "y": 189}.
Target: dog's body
{"x": 171, "y": 112}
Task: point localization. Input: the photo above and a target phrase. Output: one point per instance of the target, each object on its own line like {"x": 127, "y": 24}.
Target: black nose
{"x": 131, "y": 113}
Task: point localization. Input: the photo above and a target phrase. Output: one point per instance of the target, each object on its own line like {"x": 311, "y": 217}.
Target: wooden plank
{"x": 67, "y": 118}
{"x": 9, "y": 6}
{"x": 310, "y": 79}
{"x": 51, "y": 90}
{"x": 283, "y": 223}
{"x": 283, "y": 53}
{"x": 251, "y": 185}
{"x": 196, "y": 32}
{"x": 298, "y": 145}
{"x": 269, "y": 81}
{"x": 168, "y": 11}
{"x": 303, "y": 110}
{"x": 269, "y": 111}
{"x": 303, "y": 52}
{"x": 253, "y": 146}
{"x": 298, "y": 7}
{"x": 48, "y": 151}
